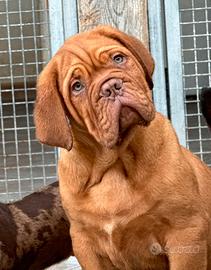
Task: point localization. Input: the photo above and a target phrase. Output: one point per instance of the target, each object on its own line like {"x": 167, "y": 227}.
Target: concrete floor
{"x": 71, "y": 264}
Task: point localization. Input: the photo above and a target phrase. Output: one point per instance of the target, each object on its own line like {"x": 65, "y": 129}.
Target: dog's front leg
{"x": 86, "y": 256}
{"x": 86, "y": 251}
{"x": 187, "y": 251}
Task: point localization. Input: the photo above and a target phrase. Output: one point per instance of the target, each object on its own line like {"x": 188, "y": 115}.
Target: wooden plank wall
{"x": 129, "y": 16}
{"x": 158, "y": 50}
{"x": 175, "y": 77}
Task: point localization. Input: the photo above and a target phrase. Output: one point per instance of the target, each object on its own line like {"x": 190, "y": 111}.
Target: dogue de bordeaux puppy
{"x": 205, "y": 100}
{"x": 136, "y": 199}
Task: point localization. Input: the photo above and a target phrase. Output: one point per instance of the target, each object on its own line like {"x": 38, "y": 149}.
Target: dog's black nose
{"x": 111, "y": 88}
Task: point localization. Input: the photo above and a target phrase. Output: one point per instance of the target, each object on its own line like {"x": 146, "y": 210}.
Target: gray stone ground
{"x": 70, "y": 264}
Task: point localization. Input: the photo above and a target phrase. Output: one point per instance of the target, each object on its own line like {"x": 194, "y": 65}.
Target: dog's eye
{"x": 77, "y": 86}
{"x": 119, "y": 58}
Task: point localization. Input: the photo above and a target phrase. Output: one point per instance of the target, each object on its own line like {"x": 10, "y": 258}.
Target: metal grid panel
{"x": 195, "y": 22}
{"x": 25, "y": 165}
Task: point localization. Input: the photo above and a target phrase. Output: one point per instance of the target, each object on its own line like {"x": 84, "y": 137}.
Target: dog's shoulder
{"x": 200, "y": 168}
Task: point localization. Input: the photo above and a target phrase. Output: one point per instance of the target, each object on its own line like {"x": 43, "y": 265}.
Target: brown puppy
{"x": 34, "y": 232}
{"x": 205, "y": 101}
{"x": 136, "y": 199}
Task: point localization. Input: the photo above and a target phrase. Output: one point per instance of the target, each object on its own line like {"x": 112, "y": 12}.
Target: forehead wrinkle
{"x": 104, "y": 49}
{"x": 97, "y": 54}
{"x": 79, "y": 52}
{"x": 89, "y": 52}
{"x": 82, "y": 68}
{"x": 73, "y": 64}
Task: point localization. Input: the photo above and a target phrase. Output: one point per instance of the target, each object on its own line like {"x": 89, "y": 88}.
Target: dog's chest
{"x": 127, "y": 227}
{"x": 120, "y": 221}
{"x": 134, "y": 245}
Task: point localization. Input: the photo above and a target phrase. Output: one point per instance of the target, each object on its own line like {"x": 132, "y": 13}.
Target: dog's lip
{"x": 133, "y": 106}
{"x": 126, "y": 111}
{"x": 124, "y": 130}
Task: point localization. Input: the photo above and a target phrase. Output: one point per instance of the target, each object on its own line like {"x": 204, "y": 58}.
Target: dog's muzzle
{"x": 111, "y": 88}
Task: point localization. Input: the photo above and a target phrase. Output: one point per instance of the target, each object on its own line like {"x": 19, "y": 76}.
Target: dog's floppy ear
{"x": 135, "y": 46}
{"x": 51, "y": 123}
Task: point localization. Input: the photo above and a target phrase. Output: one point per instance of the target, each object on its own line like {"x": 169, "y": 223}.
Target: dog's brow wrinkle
{"x": 104, "y": 49}
{"x": 82, "y": 61}
{"x": 81, "y": 54}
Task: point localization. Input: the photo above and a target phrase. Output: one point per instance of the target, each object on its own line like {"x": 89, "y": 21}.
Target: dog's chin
{"x": 128, "y": 119}
{"x": 123, "y": 118}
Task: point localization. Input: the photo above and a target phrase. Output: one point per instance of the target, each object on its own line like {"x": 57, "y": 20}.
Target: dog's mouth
{"x": 118, "y": 114}
{"x": 128, "y": 118}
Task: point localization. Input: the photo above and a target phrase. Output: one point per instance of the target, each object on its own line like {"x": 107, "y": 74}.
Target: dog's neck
{"x": 140, "y": 144}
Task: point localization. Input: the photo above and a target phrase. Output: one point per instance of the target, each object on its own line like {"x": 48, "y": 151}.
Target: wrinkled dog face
{"x": 103, "y": 80}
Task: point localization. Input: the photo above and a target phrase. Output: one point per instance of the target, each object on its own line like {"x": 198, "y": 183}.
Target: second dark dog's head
{"x": 205, "y": 101}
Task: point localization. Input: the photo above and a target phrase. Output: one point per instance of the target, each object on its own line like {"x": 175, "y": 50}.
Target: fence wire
{"x": 25, "y": 165}
{"x": 195, "y": 22}
{"x": 24, "y": 50}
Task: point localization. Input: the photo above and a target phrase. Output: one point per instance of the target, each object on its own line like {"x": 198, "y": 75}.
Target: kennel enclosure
{"x": 32, "y": 31}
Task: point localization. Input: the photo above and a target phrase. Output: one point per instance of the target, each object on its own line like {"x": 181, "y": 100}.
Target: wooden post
{"x": 128, "y": 16}
{"x": 175, "y": 75}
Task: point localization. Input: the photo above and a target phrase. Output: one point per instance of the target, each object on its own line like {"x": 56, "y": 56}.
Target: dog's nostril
{"x": 118, "y": 85}
{"x": 111, "y": 87}
{"x": 107, "y": 92}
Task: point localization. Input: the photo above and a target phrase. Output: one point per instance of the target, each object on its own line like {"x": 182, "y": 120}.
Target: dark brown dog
{"x": 136, "y": 199}
{"x": 34, "y": 232}
{"x": 205, "y": 100}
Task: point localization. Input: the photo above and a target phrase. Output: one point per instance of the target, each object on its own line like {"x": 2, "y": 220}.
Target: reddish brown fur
{"x": 124, "y": 193}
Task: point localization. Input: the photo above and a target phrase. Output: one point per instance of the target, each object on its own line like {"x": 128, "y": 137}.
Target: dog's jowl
{"x": 136, "y": 199}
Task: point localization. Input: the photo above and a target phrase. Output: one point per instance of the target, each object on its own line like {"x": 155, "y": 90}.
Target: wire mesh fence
{"x": 195, "y": 22}
{"x": 25, "y": 165}
{"x": 24, "y": 50}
